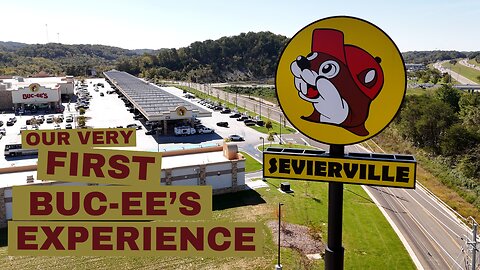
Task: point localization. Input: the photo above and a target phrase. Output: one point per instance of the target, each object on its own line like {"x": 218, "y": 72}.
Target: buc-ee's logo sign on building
{"x": 340, "y": 80}
{"x": 34, "y": 87}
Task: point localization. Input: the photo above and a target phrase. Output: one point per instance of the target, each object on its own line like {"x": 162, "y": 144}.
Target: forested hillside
{"x": 248, "y": 56}
{"x": 445, "y": 126}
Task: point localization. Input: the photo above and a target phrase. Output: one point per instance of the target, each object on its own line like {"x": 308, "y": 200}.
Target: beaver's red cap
{"x": 358, "y": 61}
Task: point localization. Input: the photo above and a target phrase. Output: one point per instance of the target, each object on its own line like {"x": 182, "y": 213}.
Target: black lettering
{"x": 363, "y": 172}
{"x": 298, "y": 165}
{"x": 402, "y": 174}
{"x": 385, "y": 176}
{"x": 284, "y": 165}
{"x": 309, "y": 167}
{"x": 320, "y": 168}
{"x": 273, "y": 165}
{"x": 371, "y": 173}
{"x": 350, "y": 172}
{"x": 334, "y": 169}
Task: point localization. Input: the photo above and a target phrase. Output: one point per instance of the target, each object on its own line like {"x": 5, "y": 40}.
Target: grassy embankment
{"x": 431, "y": 173}
{"x": 469, "y": 73}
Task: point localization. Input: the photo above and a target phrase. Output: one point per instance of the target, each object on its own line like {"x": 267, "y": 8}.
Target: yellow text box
{"x": 104, "y": 137}
{"x": 201, "y": 239}
{"x": 99, "y": 166}
{"x": 112, "y": 203}
{"x": 362, "y": 171}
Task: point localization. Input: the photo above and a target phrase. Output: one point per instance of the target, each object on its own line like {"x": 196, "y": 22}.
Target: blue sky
{"x": 413, "y": 25}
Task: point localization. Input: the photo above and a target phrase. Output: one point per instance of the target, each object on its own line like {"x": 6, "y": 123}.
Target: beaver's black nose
{"x": 303, "y": 63}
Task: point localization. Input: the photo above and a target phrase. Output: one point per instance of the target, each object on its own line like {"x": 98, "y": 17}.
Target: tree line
{"x": 446, "y": 124}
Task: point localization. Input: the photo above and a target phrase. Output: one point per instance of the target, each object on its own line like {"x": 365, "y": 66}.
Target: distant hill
{"x": 427, "y": 57}
{"x": 11, "y": 46}
{"x": 247, "y": 56}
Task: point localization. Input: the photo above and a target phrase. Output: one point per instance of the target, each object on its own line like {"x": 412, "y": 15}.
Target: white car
{"x": 56, "y": 127}
{"x": 23, "y": 128}
{"x": 3, "y": 131}
{"x": 204, "y": 130}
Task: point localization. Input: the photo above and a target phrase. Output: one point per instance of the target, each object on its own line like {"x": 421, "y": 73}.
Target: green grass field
{"x": 251, "y": 165}
{"x": 369, "y": 241}
{"x": 466, "y": 72}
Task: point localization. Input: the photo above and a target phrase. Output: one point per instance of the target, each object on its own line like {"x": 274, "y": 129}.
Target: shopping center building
{"x": 23, "y": 94}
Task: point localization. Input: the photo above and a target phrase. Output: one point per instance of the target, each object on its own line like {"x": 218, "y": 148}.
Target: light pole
{"x": 280, "y": 129}
{"x": 260, "y": 101}
{"x": 263, "y": 144}
{"x": 279, "y": 266}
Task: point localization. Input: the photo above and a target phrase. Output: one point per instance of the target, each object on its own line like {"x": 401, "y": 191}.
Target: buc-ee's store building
{"x": 20, "y": 93}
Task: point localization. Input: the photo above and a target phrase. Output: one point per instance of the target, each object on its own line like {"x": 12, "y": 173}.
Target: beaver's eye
{"x": 329, "y": 69}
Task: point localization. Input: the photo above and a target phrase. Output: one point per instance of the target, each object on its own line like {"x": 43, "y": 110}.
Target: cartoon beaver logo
{"x": 340, "y": 80}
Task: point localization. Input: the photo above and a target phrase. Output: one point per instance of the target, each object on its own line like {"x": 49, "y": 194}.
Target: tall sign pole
{"x": 334, "y": 252}
{"x": 340, "y": 81}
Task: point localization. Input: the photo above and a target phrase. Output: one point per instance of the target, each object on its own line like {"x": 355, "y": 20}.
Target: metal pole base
{"x": 278, "y": 267}
{"x": 334, "y": 260}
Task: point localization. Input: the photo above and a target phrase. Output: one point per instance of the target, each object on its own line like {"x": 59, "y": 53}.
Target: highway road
{"x": 459, "y": 78}
{"x": 432, "y": 233}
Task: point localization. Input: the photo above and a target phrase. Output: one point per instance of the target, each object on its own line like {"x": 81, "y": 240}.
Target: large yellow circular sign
{"x": 340, "y": 80}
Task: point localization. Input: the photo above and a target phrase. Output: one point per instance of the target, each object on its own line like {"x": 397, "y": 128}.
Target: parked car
{"x": 204, "y": 130}
{"x": 184, "y": 130}
{"x": 102, "y": 94}
{"x": 222, "y": 124}
{"x": 249, "y": 123}
{"x": 10, "y": 123}
{"x": 226, "y": 110}
{"x": 3, "y": 131}
{"x": 242, "y": 118}
{"x": 69, "y": 119}
{"x": 235, "y": 138}
{"x": 68, "y": 126}
{"x": 1, "y": 123}
{"x": 260, "y": 123}
{"x": 56, "y": 127}
{"x": 135, "y": 126}
{"x": 235, "y": 115}
{"x": 150, "y": 132}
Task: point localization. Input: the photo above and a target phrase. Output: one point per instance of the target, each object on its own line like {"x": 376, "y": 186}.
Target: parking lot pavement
{"x": 110, "y": 111}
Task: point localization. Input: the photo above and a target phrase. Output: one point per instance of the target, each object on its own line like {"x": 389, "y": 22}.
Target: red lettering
{"x": 52, "y": 238}
{"x": 212, "y": 238}
{"x": 162, "y": 238}
{"x": 97, "y": 137}
{"x": 152, "y": 203}
{"x": 74, "y": 163}
{"x": 76, "y": 235}
{"x": 36, "y": 203}
{"x": 88, "y": 203}
{"x": 61, "y": 204}
{"x": 127, "y": 203}
{"x": 98, "y": 237}
{"x": 120, "y": 171}
{"x": 83, "y": 138}
{"x": 126, "y": 135}
{"x": 22, "y": 238}
{"x": 95, "y": 162}
{"x": 147, "y": 238}
{"x": 143, "y": 163}
{"x": 192, "y": 207}
{"x": 52, "y": 162}
{"x": 63, "y": 138}
{"x": 186, "y": 236}
{"x": 130, "y": 239}
{"x": 240, "y": 238}
{"x": 45, "y": 140}
{"x": 111, "y": 137}
{"x": 32, "y": 138}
